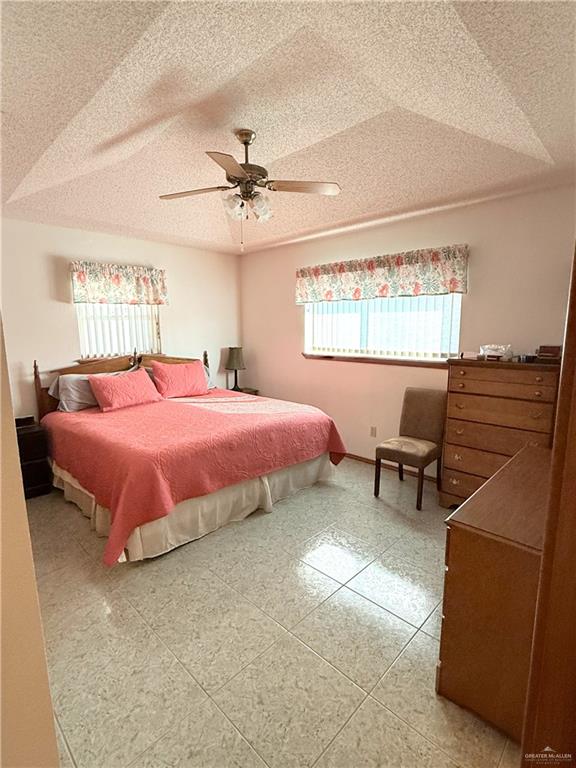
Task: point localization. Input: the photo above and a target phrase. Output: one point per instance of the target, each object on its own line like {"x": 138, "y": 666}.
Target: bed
{"x": 153, "y": 477}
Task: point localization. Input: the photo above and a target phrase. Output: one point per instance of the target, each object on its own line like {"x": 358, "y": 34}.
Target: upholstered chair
{"x": 420, "y": 440}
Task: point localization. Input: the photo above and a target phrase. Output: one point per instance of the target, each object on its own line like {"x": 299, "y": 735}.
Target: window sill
{"x": 442, "y": 364}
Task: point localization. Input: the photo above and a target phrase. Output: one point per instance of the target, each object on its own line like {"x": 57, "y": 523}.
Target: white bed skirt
{"x": 193, "y": 518}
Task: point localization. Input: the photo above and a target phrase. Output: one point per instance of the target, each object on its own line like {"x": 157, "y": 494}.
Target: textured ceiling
{"x": 407, "y": 105}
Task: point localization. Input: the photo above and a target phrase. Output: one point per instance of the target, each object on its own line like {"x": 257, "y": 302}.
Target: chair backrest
{"x": 423, "y": 414}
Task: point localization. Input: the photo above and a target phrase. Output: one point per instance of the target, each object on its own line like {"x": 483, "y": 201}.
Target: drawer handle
{"x": 461, "y": 384}
{"x": 457, "y": 457}
{"x": 537, "y": 393}
{"x": 539, "y": 379}
{"x": 536, "y": 415}
{"x": 462, "y": 373}
{"x": 534, "y": 444}
{"x": 460, "y": 405}
{"x": 453, "y": 481}
{"x": 460, "y": 431}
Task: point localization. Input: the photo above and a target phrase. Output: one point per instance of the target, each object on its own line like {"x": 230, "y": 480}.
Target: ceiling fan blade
{"x": 193, "y": 192}
{"x": 230, "y": 165}
{"x": 315, "y": 187}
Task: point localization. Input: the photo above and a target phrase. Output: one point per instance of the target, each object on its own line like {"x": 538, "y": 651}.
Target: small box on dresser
{"x": 494, "y": 410}
{"x": 33, "y": 450}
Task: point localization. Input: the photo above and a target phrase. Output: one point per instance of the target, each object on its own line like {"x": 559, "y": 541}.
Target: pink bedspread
{"x": 140, "y": 462}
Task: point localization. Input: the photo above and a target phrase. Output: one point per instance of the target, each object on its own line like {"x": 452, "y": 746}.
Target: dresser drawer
{"x": 473, "y": 461}
{"x": 536, "y": 417}
{"x": 459, "y": 483}
{"x": 540, "y": 393}
{"x": 507, "y": 375}
{"x": 487, "y": 437}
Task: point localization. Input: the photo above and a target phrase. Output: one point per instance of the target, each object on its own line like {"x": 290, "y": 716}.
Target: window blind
{"x": 117, "y": 329}
{"x": 413, "y": 327}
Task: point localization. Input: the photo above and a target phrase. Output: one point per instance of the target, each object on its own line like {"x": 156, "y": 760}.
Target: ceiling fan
{"x": 251, "y": 180}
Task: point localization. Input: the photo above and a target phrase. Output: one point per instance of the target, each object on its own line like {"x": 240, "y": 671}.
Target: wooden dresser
{"x": 494, "y": 410}
{"x": 493, "y": 553}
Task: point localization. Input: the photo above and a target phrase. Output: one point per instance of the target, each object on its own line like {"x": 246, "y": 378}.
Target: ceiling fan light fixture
{"x": 235, "y": 207}
{"x": 232, "y": 201}
{"x": 263, "y": 216}
{"x": 261, "y": 207}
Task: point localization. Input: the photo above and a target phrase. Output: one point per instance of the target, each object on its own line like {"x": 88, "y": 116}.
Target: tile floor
{"x": 304, "y": 637}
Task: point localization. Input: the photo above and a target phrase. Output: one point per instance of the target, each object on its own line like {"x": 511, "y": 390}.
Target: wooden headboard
{"x": 46, "y": 403}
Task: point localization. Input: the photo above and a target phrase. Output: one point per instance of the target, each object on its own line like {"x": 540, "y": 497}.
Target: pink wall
{"x": 521, "y": 251}
{"x": 40, "y": 319}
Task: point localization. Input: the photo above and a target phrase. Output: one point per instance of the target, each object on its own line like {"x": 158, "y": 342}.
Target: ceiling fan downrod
{"x": 254, "y": 176}
{"x": 246, "y": 137}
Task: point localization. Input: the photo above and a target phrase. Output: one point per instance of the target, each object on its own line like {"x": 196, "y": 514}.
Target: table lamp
{"x": 235, "y": 363}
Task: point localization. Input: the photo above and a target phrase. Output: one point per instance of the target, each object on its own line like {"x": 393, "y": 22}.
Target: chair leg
{"x": 377, "y": 470}
{"x": 420, "y": 488}
{"x": 401, "y": 471}
{"x": 439, "y": 473}
{"x": 377, "y": 477}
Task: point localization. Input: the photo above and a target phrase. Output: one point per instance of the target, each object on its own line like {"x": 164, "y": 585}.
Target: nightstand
{"x": 33, "y": 449}
{"x": 249, "y": 390}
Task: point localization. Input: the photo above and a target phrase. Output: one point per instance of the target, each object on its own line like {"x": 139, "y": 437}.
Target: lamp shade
{"x": 235, "y": 360}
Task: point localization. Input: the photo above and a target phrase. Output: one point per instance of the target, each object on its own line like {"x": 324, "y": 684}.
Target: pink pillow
{"x": 180, "y": 379}
{"x": 133, "y": 388}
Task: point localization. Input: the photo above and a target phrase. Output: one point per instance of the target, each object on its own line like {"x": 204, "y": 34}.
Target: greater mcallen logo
{"x": 549, "y": 757}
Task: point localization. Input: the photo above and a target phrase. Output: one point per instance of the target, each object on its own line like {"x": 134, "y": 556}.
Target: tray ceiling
{"x": 407, "y": 105}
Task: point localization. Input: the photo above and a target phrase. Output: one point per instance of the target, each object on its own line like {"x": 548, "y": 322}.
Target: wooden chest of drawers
{"x": 494, "y": 410}
{"x": 494, "y": 546}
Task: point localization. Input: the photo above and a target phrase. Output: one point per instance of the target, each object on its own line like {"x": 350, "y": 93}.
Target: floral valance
{"x": 425, "y": 272}
{"x": 96, "y": 283}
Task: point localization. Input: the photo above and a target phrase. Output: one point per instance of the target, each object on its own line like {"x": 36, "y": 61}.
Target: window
{"x": 409, "y": 328}
{"x": 118, "y": 329}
